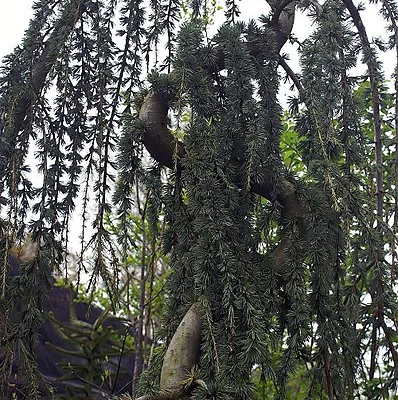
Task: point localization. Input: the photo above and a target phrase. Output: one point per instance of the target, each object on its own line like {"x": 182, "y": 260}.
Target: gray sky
{"x": 14, "y": 19}
{"x": 15, "y": 15}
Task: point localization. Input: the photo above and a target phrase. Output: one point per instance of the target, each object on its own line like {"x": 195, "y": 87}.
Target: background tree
{"x": 280, "y": 228}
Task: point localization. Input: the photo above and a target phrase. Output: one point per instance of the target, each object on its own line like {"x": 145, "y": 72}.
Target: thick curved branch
{"x": 182, "y": 354}
{"x": 160, "y": 143}
{"x": 283, "y": 20}
{"x": 184, "y": 349}
{"x": 165, "y": 149}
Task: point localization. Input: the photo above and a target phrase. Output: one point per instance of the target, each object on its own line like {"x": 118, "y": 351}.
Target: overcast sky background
{"x": 14, "y": 19}
{"x": 15, "y": 16}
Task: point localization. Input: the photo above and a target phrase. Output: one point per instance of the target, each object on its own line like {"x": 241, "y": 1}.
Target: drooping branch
{"x": 379, "y": 289}
{"x": 391, "y": 15}
{"x": 62, "y": 29}
{"x": 370, "y": 62}
{"x": 290, "y": 73}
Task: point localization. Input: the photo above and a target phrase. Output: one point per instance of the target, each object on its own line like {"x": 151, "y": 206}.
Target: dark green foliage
{"x": 93, "y": 356}
{"x": 297, "y": 279}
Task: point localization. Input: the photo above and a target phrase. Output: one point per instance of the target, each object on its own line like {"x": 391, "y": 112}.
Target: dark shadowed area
{"x": 68, "y": 359}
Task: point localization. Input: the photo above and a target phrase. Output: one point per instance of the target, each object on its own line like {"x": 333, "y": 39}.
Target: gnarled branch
{"x": 167, "y": 150}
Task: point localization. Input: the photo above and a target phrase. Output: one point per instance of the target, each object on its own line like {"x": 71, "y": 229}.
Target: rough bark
{"x": 283, "y": 20}
{"x": 183, "y": 352}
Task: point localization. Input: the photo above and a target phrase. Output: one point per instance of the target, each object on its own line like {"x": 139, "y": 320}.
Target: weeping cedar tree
{"x": 266, "y": 259}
